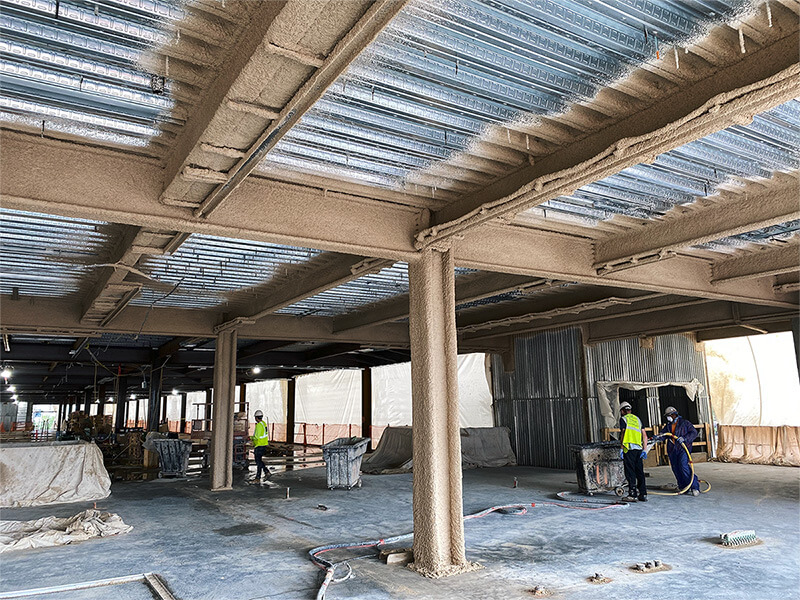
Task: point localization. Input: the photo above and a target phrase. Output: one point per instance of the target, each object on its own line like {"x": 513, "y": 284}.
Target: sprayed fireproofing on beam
{"x": 445, "y": 71}
{"x": 698, "y": 169}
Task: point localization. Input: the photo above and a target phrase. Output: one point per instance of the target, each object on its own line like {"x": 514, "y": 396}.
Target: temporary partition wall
{"x": 270, "y": 398}
{"x": 665, "y": 359}
{"x": 174, "y": 411}
{"x": 550, "y": 400}
{"x": 328, "y": 406}
{"x": 542, "y": 401}
{"x": 391, "y": 395}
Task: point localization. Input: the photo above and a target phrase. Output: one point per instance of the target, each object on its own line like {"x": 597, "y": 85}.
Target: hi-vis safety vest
{"x": 260, "y": 435}
{"x": 633, "y": 431}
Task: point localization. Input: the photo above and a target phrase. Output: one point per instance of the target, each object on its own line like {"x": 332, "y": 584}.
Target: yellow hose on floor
{"x": 691, "y": 480}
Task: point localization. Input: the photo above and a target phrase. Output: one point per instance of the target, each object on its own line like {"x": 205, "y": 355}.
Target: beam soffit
{"x": 776, "y": 259}
{"x": 758, "y": 205}
{"x": 91, "y": 181}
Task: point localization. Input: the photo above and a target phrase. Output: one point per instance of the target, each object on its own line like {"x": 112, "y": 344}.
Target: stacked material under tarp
{"x": 759, "y": 445}
{"x": 55, "y": 531}
{"x": 34, "y": 474}
{"x": 480, "y": 447}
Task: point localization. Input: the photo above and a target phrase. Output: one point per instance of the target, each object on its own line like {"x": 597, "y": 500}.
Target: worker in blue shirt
{"x": 634, "y": 445}
{"x": 685, "y": 432}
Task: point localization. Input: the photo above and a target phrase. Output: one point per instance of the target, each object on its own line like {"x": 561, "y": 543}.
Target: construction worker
{"x": 634, "y": 443}
{"x": 685, "y": 433}
{"x": 260, "y": 439}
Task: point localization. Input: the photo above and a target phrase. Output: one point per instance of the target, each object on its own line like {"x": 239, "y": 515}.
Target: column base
{"x": 445, "y": 570}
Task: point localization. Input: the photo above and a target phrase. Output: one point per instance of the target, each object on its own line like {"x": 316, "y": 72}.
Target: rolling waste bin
{"x": 343, "y": 461}
{"x": 599, "y": 468}
{"x": 173, "y": 456}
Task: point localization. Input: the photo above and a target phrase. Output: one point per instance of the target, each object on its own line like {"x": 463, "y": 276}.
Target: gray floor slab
{"x": 251, "y": 543}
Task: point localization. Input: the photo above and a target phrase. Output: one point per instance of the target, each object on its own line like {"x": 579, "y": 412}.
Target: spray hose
{"x": 330, "y": 567}
{"x": 691, "y": 465}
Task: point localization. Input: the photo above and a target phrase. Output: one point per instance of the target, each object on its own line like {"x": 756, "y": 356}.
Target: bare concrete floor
{"x": 251, "y": 543}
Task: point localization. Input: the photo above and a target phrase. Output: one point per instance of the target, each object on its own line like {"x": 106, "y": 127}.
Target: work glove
{"x": 621, "y": 453}
{"x": 644, "y": 454}
{"x": 680, "y": 440}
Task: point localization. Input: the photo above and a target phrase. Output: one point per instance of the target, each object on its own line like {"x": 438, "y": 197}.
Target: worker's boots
{"x": 629, "y": 499}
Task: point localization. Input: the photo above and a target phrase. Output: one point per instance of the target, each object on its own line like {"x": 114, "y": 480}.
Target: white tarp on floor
{"x": 55, "y": 531}
{"x": 51, "y": 472}
{"x": 480, "y": 447}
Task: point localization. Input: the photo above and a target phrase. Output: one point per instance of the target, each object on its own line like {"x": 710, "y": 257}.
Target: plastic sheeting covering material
{"x": 480, "y": 447}
{"x": 609, "y": 390}
{"x": 391, "y": 393}
{"x": 50, "y": 473}
{"x": 55, "y": 531}
{"x": 753, "y": 380}
{"x": 759, "y": 445}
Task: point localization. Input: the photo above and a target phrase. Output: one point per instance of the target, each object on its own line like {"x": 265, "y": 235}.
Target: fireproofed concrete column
{"x": 222, "y": 424}
{"x": 438, "y": 509}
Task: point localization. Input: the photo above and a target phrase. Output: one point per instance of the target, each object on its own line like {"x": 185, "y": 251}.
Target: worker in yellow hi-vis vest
{"x": 260, "y": 439}
{"x": 634, "y": 451}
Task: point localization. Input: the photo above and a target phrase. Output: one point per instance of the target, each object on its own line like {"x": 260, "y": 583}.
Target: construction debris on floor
{"x": 54, "y": 531}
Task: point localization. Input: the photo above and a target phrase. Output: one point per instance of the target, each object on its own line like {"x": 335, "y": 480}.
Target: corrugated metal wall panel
{"x": 672, "y": 358}
{"x": 543, "y": 402}
{"x": 547, "y": 365}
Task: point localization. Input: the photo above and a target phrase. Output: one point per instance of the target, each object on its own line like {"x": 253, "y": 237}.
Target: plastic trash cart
{"x": 599, "y": 468}
{"x": 173, "y": 456}
{"x": 343, "y": 460}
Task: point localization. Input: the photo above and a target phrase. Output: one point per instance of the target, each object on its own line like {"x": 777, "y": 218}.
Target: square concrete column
{"x": 437, "y": 502}
{"x": 222, "y": 424}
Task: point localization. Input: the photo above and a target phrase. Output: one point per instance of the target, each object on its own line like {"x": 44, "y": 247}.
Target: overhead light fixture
{"x": 133, "y": 396}
{"x": 175, "y": 392}
{"x": 5, "y": 373}
{"x": 14, "y": 397}
{"x": 12, "y": 389}
{"x": 256, "y": 370}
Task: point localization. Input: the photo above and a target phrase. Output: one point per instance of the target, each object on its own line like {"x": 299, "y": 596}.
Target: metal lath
{"x": 770, "y": 143}
{"x": 206, "y": 270}
{"x": 443, "y": 71}
{"x": 43, "y": 255}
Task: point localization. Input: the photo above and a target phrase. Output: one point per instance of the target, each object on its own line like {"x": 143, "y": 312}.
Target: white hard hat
{"x": 624, "y": 405}
{"x": 258, "y": 414}
{"x": 670, "y": 410}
